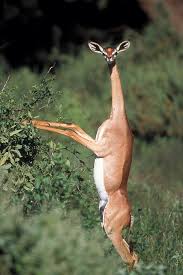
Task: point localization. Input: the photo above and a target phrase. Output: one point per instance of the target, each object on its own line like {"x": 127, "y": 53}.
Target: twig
{"x": 43, "y": 107}
{"x": 51, "y": 67}
{"x": 80, "y": 160}
{"x": 5, "y": 83}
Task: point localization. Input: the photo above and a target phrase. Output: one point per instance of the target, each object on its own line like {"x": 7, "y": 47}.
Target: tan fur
{"x": 114, "y": 143}
{"x": 109, "y": 51}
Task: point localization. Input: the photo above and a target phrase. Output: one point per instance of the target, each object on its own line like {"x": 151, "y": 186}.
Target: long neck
{"x": 118, "y": 105}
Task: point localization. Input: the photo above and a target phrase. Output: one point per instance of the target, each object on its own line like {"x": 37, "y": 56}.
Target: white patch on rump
{"x": 99, "y": 179}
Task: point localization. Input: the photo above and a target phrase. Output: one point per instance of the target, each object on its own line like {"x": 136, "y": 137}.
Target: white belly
{"x": 99, "y": 179}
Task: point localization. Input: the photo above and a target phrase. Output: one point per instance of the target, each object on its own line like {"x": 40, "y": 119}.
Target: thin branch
{"x": 80, "y": 160}
{"x": 43, "y": 107}
{"x": 5, "y": 84}
{"x": 51, "y": 67}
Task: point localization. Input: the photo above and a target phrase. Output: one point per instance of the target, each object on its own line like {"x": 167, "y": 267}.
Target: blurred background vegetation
{"x": 48, "y": 202}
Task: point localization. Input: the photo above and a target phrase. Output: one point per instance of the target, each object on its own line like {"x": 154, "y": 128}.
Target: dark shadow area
{"x": 30, "y": 29}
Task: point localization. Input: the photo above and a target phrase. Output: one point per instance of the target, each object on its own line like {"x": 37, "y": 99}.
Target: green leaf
{"x": 29, "y": 114}
{"x": 15, "y": 132}
{"x": 11, "y": 158}
{"x": 67, "y": 163}
{"x": 18, "y": 146}
{"x": 7, "y": 166}
{"x": 28, "y": 187}
{"x": 17, "y": 152}
{"x": 4, "y": 158}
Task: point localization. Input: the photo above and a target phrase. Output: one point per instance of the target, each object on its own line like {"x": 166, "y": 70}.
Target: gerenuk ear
{"x": 95, "y": 47}
{"x": 123, "y": 46}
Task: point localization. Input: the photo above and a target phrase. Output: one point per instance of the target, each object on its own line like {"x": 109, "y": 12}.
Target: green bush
{"x": 49, "y": 244}
{"x": 53, "y": 244}
{"x": 34, "y": 171}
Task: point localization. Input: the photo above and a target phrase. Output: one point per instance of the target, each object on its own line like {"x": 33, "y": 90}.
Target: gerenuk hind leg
{"x": 116, "y": 218}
